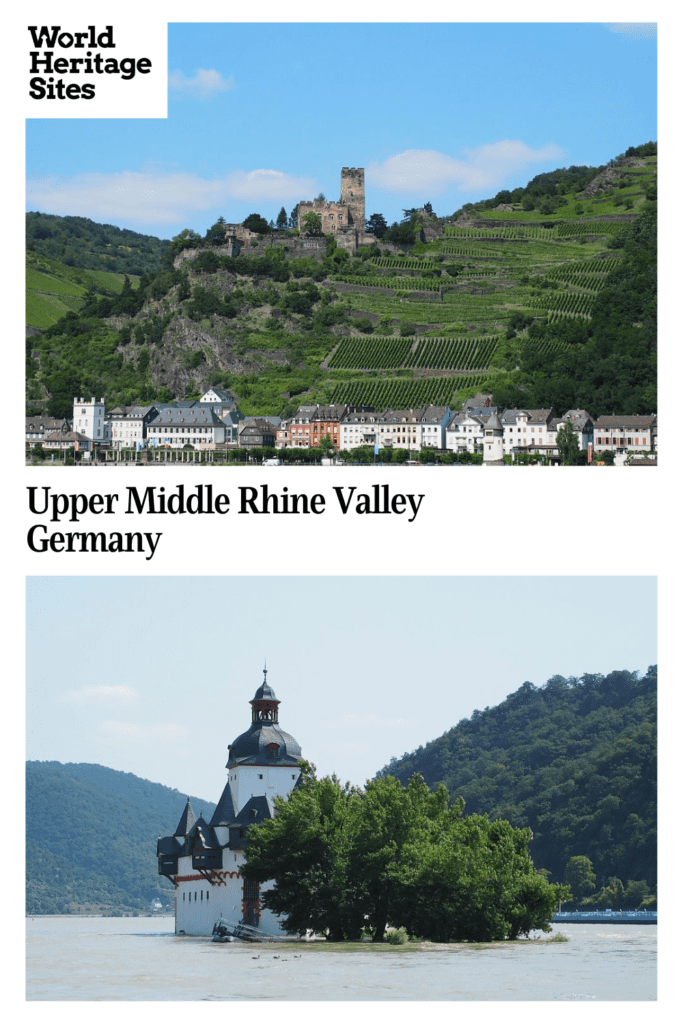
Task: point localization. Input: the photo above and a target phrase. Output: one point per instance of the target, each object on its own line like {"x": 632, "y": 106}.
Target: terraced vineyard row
{"x": 590, "y": 227}
{"x": 589, "y": 282}
{"x": 401, "y": 263}
{"x": 402, "y": 394}
{"x": 459, "y": 250}
{"x": 469, "y": 353}
{"x": 546, "y": 346}
{"x": 411, "y": 284}
{"x": 371, "y": 353}
{"x": 500, "y": 232}
{"x": 453, "y": 353}
{"x": 568, "y": 303}
{"x": 484, "y": 272}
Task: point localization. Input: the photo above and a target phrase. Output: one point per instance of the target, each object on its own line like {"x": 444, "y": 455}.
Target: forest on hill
{"x": 543, "y": 296}
{"x": 81, "y": 242}
{"x": 91, "y": 836}
{"x": 574, "y": 760}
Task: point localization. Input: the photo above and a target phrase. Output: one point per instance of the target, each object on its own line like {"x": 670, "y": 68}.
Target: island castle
{"x": 203, "y": 858}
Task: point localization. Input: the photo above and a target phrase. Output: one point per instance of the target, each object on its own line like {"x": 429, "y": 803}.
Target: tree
{"x": 282, "y": 219}
{"x": 320, "y": 198}
{"x": 305, "y": 850}
{"x": 377, "y": 225}
{"x": 256, "y": 223}
{"x": 428, "y": 208}
{"x": 396, "y": 855}
{"x": 567, "y": 445}
{"x": 215, "y": 235}
{"x": 312, "y": 223}
{"x": 294, "y": 217}
{"x": 326, "y": 447}
{"x": 580, "y": 877}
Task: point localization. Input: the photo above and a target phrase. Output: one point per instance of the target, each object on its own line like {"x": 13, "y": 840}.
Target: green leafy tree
{"x": 312, "y": 223}
{"x": 580, "y": 877}
{"x": 326, "y": 447}
{"x": 567, "y": 445}
{"x": 256, "y": 223}
{"x": 305, "y": 850}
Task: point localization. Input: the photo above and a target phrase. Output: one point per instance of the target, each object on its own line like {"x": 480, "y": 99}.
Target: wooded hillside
{"x": 91, "y": 836}
{"x": 575, "y": 760}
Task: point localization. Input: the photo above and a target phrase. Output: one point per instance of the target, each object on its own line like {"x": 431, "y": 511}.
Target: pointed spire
{"x": 187, "y": 820}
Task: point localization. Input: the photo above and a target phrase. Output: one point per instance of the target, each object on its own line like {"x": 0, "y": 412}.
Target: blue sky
{"x": 154, "y": 675}
{"x": 261, "y": 116}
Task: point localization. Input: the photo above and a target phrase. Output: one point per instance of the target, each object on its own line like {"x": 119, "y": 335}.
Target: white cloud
{"x": 634, "y": 29}
{"x": 135, "y": 732}
{"x": 427, "y": 170}
{"x": 205, "y": 84}
{"x": 102, "y": 695}
{"x": 159, "y": 197}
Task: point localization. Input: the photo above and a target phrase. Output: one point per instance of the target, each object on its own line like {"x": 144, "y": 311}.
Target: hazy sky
{"x": 261, "y": 116}
{"x": 154, "y": 675}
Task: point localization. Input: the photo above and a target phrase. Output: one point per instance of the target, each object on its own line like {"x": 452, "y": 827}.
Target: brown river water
{"x": 114, "y": 959}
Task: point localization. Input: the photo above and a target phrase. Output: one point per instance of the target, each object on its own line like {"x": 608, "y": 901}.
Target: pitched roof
{"x": 187, "y": 820}
{"x": 256, "y": 810}
{"x": 225, "y": 808}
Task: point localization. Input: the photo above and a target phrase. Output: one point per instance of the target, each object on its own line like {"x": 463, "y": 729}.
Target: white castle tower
{"x": 493, "y": 441}
{"x": 203, "y": 859}
{"x": 89, "y": 418}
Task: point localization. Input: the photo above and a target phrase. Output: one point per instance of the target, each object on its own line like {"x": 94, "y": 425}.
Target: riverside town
{"x": 212, "y": 430}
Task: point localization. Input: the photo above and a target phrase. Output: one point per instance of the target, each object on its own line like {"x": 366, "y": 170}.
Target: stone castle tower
{"x": 344, "y": 219}
{"x": 353, "y": 195}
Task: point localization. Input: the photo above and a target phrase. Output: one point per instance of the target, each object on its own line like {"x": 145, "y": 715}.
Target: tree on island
{"x": 396, "y": 856}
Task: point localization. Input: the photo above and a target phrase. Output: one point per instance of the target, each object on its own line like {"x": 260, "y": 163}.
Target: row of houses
{"x": 214, "y": 422}
{"x": 437, "y": 426}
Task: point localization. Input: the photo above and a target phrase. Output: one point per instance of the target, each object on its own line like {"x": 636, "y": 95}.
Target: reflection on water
{"x": 141, "y": 959}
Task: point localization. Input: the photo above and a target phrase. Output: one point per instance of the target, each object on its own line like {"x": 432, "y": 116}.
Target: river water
{"x": 89, "y": 958}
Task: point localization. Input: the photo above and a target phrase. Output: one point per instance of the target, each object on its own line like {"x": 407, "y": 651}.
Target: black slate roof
{"x": 187, "y": 820}
{"x": 225, "y": 808}
{"x": 252, "y": 746}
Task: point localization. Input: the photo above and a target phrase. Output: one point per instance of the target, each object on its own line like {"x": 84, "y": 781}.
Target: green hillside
{"x": 91, "y": 837}
{"x": 543, "y": 296}
{"x": 83, "y": 243}
{"x": 574, "y": 760}
{"x": 54, "y": 289}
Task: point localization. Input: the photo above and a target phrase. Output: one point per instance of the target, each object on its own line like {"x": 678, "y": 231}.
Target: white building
{"x": 396, "y": 428}
{"x": 203, "y": 859}
{"x": 493, "y": 441}
{"x": 625, "y": 434}
{"x": 465, "y": 432}
{"x": 89, "y": 418}
{"x": 196, "y": 425}
{"x": 128, "y": 425}
{"x": 523, "y": 428}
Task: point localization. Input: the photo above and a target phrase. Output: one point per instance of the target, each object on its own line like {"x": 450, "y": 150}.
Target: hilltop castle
{"x": 203, "y": 859}
{"x": 346, "y": 218}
